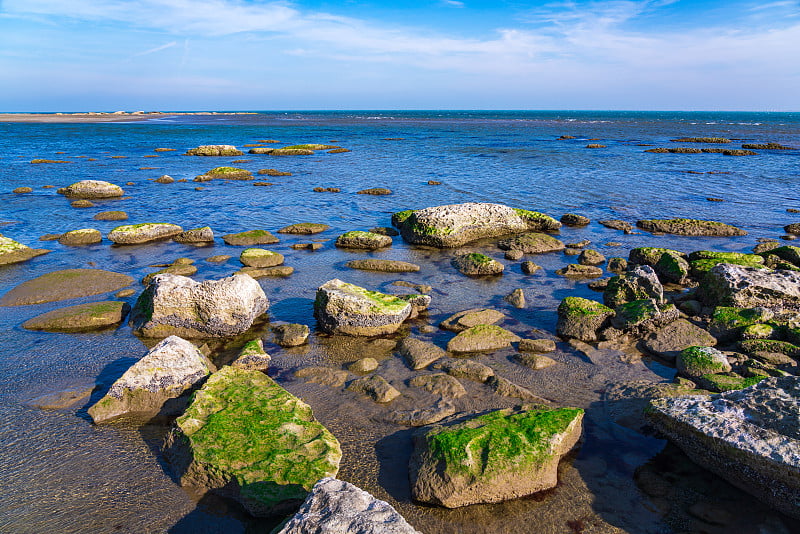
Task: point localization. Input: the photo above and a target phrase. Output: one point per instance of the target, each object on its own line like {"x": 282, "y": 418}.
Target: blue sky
{"x": 59, "y": 55}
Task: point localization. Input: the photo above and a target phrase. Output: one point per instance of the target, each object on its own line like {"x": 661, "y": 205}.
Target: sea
{"x": 61, "y": 473}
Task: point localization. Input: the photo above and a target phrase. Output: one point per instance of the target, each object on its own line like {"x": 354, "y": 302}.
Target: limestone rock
{"x": 375, "y": 387}
{"x": 87, "y": 189}
{"x": 581, "y": 318}
{"x": 536, "y": 362}
{"x": 747, "y": 287}
{"x": 580, "y": 271}
{"x": 200, "y": 235}
{"x": 247, "y": 438}
{"x": 419, "y": 354}
{"x": 13, "y": 252}
{"x": 260, "y": 258}
{"x": 363, "y": 240}
{"x": 349, "y": 309}
{"x": 166, "y": 372}
{"x": 532, "y": 243}
{"x": 475, "y": 264}
{"x": 507, "y": 388}
{"x": 363, "y": 366}
{"x": 134, "y": 234}
{"x": 261, "y": 272}
{"x": 304, "y": 228}
{"x": 250, "y": 238}
{"x": 290, "y": 335}
{"x": 591, "y": 257}
{"x": 111, "y": 216}
{"x": 80, "y": 318}
{"x": 638, "y": 284}
{"x": 384, "y": 266}
{"x": 214, "y": 150}
{"x": 689, "y": 227}
{"x": 639, "y": 317}
{"x": 252, "y": 357}
{"x": 482, "y": 338}
{"x": 178, "y": 305}
{"x": 516, "y": 298}
{"x": 63, "y": 285}
{"x": 86, "y": 236}
{"x": 669, "y": 340}
{"x": 694, "y": 362}
{"x": 537, "y": 345}
{"x": 441, "y": 384}
{"x": 422, "y": 416}
{"x": 472, "y": 317}
{"x": 464, "y": 368}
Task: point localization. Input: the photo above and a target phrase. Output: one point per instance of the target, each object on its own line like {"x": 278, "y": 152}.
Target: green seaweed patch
{"x": 8, "y": 245}
{"x": 769, "y": 345}
{"x": 725, "y": 382}
{"x": 701, "y": 267}
{"x": 637, "y": 311}
{"x": 725, "y": 256}
{"x": 732, "y": 317}
{"x": 698, "y": 358}
{"x": 581, "y": 307}
{"x": 401, "y": 216}
{"x": 228, "y": 170}
{"x": 478, "y": 258}
{"x": 140, "y": 226}
{"x": 383, "y": 303}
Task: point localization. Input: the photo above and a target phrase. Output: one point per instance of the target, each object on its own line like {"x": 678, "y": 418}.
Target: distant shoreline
{"x": 90, "y": 117}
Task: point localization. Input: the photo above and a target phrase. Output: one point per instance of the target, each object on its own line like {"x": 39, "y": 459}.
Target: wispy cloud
{"x": 156, "y": 49}
{"x": 453, "y": 3}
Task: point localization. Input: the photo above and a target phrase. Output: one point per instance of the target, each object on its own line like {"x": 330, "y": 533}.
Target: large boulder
{"x": 690, "y": 227}
{"x": 456, "y": 224}
{"x": 490, "y": 458}
{"x": 749, "y": 437}
{"x": 342, "y": 308}
{"x": 638, "y": 284}
{"x": 166, "y": 372}
{"x": 63, "y": 285}
{"x": 13, "y": 252}
{"x": 245, "y": 437}
{"x": 134, "y": 234}
{"x": 748, "y": 287}
{"x": 177, "y": 305}
{"x": 338, "y": 506}
{"x": 581, "y": 318}
{"x": 92, "y": 189}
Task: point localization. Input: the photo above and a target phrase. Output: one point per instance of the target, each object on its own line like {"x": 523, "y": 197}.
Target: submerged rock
{"x": 290, "y": 335}
{"x": 490, "y": 458}
{"x": 134, "y": 234}
{"x": 363, "y": 240}
{"x": 178, "y": 305}
{"x": 422, "y": 416}
{"x": 245, "y": 437}
{"x": 466, "y": 368}
{"x": 616, "y": 224}
{"x": 342, "y": 308}
{"x": 111, "y": 216}
{"x": 214, "y": 150}
{"x": 375, "y": 387}
{"x": 63, "y": 285}
{"x": 419, "y": 354}
{"x": 14, "y": 252}
{"x": 689, "y": 227}
{"x": 80, "y": 318}
{"x": 475, "y": 264}
{"x": 166, "y": 372}
{"x": 91, "y": 189}
{"x": 250, "y": 238}
{"x": 482, "y": 338}
{"x": 748, "y": 437}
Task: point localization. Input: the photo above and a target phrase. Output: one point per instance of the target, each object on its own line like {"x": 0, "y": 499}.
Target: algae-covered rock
{"x": 574, "y": 270}
{"x": 253, "y": 357}
{"x": 245, "y": 437}
{"x": 92, "y": 189}
{"x": 748, "y": 287}
{"x": 493, "y": 457}
{"x": 476, "y": 264}
{"x": 638, "y": 284}
{"x": 262, "y": 272}
{"x": 788, "y": 253}
{"x": 304, "y": 228}
{"x": 694, "y": 362}
{"x": 482, "y": 338}
{"x": 80, "y": 318}
{"x": 672, "y": 268}
{"x": 134, "y": 234}
{"x": 581, "y": 318}
{"x": 290, "y": 335}
{"x": 680, "y": 334}
{"x": 748, "y": 437}
{"x": 14, "y": 252}
{"x": 384, "y": 266}
{"x": 291, "y": 152}
{"x": 201, "y": 235}
{"x": 166, "y": 372}
{"x": 532, "y": 243}
{"x": 755, "y": 346}
{"x": 349, "y": 309}
{"x": 641, "y": 316}
{"x": 63, "y": 285}
{"x": 591, "y": 257}
{"x": 456, "y": 224}
{"x": 650, "y": 255}
{"x": 111, "y": 216}
{"x": 727, "y": 322}
{"x": 250, "y": 238}
{"x": 214, "y": 150}
{"x": 259, "y": 257}
{"x": 85, "y": 236}
{"x": 363, "y": 240}
{"x": 178, "y": 305}
{"x": 689, "y": 227}
{"x": 225, "y": 173}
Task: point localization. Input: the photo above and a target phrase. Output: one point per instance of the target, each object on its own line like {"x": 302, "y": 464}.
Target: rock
{"x": 260, "y": 150}
{"x": 528, "y": 267}
{"x": 456, "y": 224}
{"x": 537, "y": 345}
{"x": 167, "y": 371}
{"x": 256, "y": 272}
{"x": 252, "y": 357}
{"x": 22, "y": 190}
{"x": 516, "y": 298}
{"x": 507, "y": 388}
{"x": 218, "y": 258}
{"x": 467, "y": 369}
{"x": 453, "y": 464}
{"x": 304, "y": 228}
{"x": 307, "y": 246}
{"x": 702, "y": 261}
{"x": 337, "y": 506}
{"x": 134, "y": 234}
{"x": 111, "y": 216}
{"x": 91, "y": 189}
{"x": 748, "y": 437}
{"x": 225, "y": 173}
{"x": 197, "y": 235}
{"x": 581, "y": 318}
{"x": 788, "y": 253}
{"x": 701, "y": 140}
{"x": 240, "y": 422}
{"x": 260, "y": 258}
{"x": 441, "y": 384}
{"x": 178, "y": 269}
{"x": 513, "y": 255}
{"x": 349, "y": 309}
{"x": 639, "y": 317}
{"x": 616, "y": 224}
{"x": 419, "y": 354}
{"x": 292, "y": 152}
{"x": 384, "y": 266}
{"x": 672, "y": 268}
{"x": 669, "y": 340}
{"x": 250, "y": 238}
{"x": 363, "y": 240}
{"x": 385, "y": 230}
{"x": 420, "y": 288}
{"x": 637, "y": 284}
{"x": 86, "y": 236}
{"x": 598, "y": 285}
{"x": 375, "y": 387}
{"x": 748, "y": 287}
{"x": 617, "y": 265}
{"x": 765, "y": 246}
{"x": 650, "y": 255}
{"x": 363, "y": 366}
{"x": 482, "y": 338}
{"x": 690, "y": 227}
{"x": 80, "y": 318}
{"x": 536, "y": 362}
{"x": 727, "y": 322}
{"x": 125, "y": 293}
{"x": 178, "y": 305}
{"x": 580, "y": 271}
{"x": 422, "y": 416}
{"x": 14, "y": 252}
{"x": 793, "y": 228}
{"x": 694, "y": 362}
{"x": 375, "y": 191}
{"x": 290, "y": 335}
{"x": 82, "y": 203}
{"x": 532, "y": 243}
{"x": 759, "y": 331}
{"x": 63, "y": 285}
{"x": 571, "y": 219}
{"x": 754, "y": 346}
{"x": 475, "y": 264}
{"x": 595, "y": 145}
{"x": 214, "y": 150}
{"x": 591, "y": 257}
{"x": 580, "y": 244}
{"x": 165, "y": 179}
{"x": 323, "y": 375}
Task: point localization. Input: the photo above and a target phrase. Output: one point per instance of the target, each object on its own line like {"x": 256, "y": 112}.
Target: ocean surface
{"x": 60, "y": 473}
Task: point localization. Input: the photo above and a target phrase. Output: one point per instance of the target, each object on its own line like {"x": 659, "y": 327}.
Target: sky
{"x": 173, "y": 55}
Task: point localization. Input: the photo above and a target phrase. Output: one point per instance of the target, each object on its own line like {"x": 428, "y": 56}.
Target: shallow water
{"x": 60, "y": 473}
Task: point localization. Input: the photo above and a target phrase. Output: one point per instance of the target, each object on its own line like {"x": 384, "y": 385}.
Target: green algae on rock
{"x": 384, "y": 266}
{"x": 482, "y": 338}
{"x": 63, "y": 285}
{"x": 214, "y": 150}
{"x": 91, "y": 189}
{"x": 250, "y": 238}
{"x": 245, "y": 437}
{"x": 349, "y": 309}
{"x": 14, "y": 252}
{"x": 728, "y": 321}
{"x": 85, "y": 236}
{"x": 582, "y": 318}
{"x": 252, "y": 357}
{"x": 694, "y": 362}
{"x": 493, "y": 457}
{"x": 690, "y": 227}
{"x": 304, "y": 228}
{"x": 476, "y": 264}
{"x": 363, "y": 240}
{"x": 134, "y": 234}
{"x": 225, "y": 173}
{"x": 80, "y": 318}
{"x": 260, "y": 258}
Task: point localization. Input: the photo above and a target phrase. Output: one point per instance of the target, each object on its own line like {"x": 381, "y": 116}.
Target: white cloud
{"x": 156, "y": 49}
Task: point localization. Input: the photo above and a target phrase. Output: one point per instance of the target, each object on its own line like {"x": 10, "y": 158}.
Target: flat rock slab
{"x": 482, "y": 338}
{"x": 748, "y": 287}
{"x": 304, "y": 228}
{"x": 473, "y": 317}
{"x": 63, "y": 285}
{"x": 363, "y": 240}
{"x": 668, "y": 341}
{"x": 532, "y": 243}
{"x": 749, "y": 437}
{"x": 338, "y": 506}
{"x": 135, "y": 234}
{"x": 80, "y": 318}
{"x": 418, "y": 353}
{"x": 384, "y": 266}
{"x": 250, "y": 238}
{"x": 690, "y": 227}
{"x": 326, "y": 376}
{"x": 441, "y": 384}
{"x": 14, "y": 252}
{"x": 422, "y": 416}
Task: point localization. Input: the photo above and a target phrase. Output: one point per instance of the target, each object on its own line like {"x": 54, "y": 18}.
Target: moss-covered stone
{"x": 581, "y": 318}
{"x": 246, "y": 437}
{"x": 694, "y": 362}
{"x": 650, "y": 255}
{"x": 259, "y": 257}
{"x": 349, "y": 309}
{"x": 250, "y": 238}
{"x": 214, "y": 150}
{"x": 80, "y": 318}
{"x": 727, "y": 322}
{"x": 482, "y": 338}
{"x": 788, "y": 253}
{"x": 304, "y": 228}
{"x": 134, "y": 234}
{"x": 727, "y": 382}
{"x": 363, "y": 240}
{"x": 752, "y": 346}
{"x": 14, "y": 252}
{"x": 574, "y": 270}
{"x": 758, "y": 331}
{"x": 689, "y": 227}
{"x": 477, "y": 264}
{"x": 228, "y": 173}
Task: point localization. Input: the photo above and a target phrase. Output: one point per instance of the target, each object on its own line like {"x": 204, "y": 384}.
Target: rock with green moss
{"x": 581, "y": 318}
{"x": 225, "y": 173}
{"x": 80, "y": 318}
{"x": 720, "y": 382}
{"x": 754, "y": 346}
{"x": 156, "y": 384}
{"x": 85, "y": 236}
{"x": 290, "y": 335}
{"x": 758, "y": 331}
{"x": 383, "y": 266}
{"x": 134, "y": 234}
{"x": 214, "y": 150}
{"x": 63, "y": 285}
{"x": 304, "y": 228}
{"x": 482, "y": 338}
{"x": 177, "y": 305}
{"x": 92, "y": 189}
{"x": 532, "y": 243}
{"x": 292, "y": 152}
{"x": 14, "y": 252}
{"x": 639, "y": 317}
{"x": 689, "y": 227}
{"x": 668, "y": 341}
{"x": 252, "y": 357}
{"x": 747, "y": 287}
{"x": 672, "y": 268}
{"x": 694, "y": 362}
{"x": 576, "y": 270}
{"x": 702, "y": 261}
{"x": 259, "y": 257}
{"x": 591, "y": 257}
{"x": 456, "y": 224}
{"x": 196, "y": 236}
{"x": 245, "y": 437}
{"x": 493, "y": 457}
{"x": 462, "y": 320}
{"x": 788, "y": 253}
{"x": 111, "y": 216}
{"x": 727, "y": 322}
{"x": 342, "y": 308}
{"x": 250, "y": 238}
{"x": 363, "y": 240}
{"x": 638, "y": 284}
{"x": 476, "y": 264}
{"x": 650, "y": 255}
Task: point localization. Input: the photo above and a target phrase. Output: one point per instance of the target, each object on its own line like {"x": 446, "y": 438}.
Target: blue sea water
{"x": 61, "y": 473}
